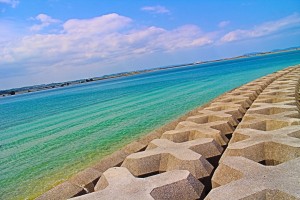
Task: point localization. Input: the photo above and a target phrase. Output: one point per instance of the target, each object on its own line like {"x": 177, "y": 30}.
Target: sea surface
{"x": 46, "y": 137}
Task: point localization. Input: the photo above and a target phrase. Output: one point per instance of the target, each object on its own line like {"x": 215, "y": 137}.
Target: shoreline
{"x": 43, "y": 87}
{"x": 119, "y": 155}
{"x": 83, "y": 180}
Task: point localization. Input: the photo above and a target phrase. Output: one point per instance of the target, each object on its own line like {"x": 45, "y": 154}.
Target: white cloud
{"x": 110, "y": 34}
{"x": 85, "y": 46}
{"x": 105, "y": 37}
{"x": 263, "y": 29}
{"x": 13, "y": 3}
{"x": 156, "y": 9}
{"x": 44, "y": 20}
{"x": 223, "y": 24}
{"x": 98, "y": 25}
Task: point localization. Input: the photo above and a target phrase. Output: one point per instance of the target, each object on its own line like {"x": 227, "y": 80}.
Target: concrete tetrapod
{"x": 119, "y": 183}
{"x": 224, "y": 127}
{"x": 240, "y": 178}
{"x": 163, "y": 155}
{"x": 258, "y": 83}
{"x": 243, "y": 101}
{"x": 189, "y": 131}
{"x": 213, "y": 116}
{"x": 277, "y": 93}
{"x": 241, "y": 93}
{"x": 270, "y": 147}
{"x": 237, "y": 111}
{"x": 250, "y": 89}
{"x": 275, "y": 100}
{"x": 86, "y": 179}
{"x": 281, "y": 85}
{"x": 263, "y": 82}
{"x": 62, "y": 191}
{"x": 227, "y": 105}
{"x": 279, "y": 120}
{"x": 260, "y": 108}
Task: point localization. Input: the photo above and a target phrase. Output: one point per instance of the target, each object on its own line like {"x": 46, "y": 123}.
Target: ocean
{"x": 47, "y": 136}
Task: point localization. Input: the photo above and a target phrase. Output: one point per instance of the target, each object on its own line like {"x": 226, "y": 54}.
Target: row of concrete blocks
{"x": 297, "y": 92}
{"x": 262, "y": 160}
{"x": 169, "y": 167}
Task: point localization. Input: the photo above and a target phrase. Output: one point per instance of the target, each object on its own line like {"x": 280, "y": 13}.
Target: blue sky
{"x": 44, "y": 41}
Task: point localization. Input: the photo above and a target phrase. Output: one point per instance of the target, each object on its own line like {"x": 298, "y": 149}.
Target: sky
{"x": 45, "y": 41}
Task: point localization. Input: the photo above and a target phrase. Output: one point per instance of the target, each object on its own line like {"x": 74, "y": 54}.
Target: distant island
{"x": 35, "y": 88}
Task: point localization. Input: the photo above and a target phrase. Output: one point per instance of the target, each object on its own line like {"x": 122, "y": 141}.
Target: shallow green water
{"x": 45, "y": 137}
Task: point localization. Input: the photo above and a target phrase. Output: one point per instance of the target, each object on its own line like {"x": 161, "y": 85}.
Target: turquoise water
{"x": 47, "y": 136}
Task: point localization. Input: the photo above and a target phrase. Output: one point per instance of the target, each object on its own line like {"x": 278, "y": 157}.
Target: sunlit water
{"x": 45, "y": 137}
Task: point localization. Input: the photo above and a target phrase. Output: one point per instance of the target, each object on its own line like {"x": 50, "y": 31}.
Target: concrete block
{"x": 290, "y": 117}
{"x": 243, "y": 101}
{"x": 266, "y": 124}
{"x": 214, "y": 116}
{"x": 240, "y": 178}
{"x": 164, "y": 155}
{"x": 276, "y": 101}
{"x": 264, "y": 108}
{"x": 119, "y": 183}
{"x": 277, "y": 93}
{"x": 195, "y": 131}
{"x": 224, "y": 127}
{"x": 270, "y": 147}
{"x": 134, "y": 147}
{"x": 86, "y": 179}
{"x": 63, "y": 191}
{"x": 237, "y": 111}
{"x": 241, "y": 93}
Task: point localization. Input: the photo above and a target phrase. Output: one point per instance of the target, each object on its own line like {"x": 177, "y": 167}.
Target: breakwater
{"x": 180, "y": 164}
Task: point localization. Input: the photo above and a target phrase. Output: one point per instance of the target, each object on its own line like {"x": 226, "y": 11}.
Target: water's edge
{"x": 115, "y": 157}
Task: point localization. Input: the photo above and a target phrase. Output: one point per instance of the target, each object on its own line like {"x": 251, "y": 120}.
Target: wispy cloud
{"x": 105, "y": 24}
{"x": 87, "y": 44}
{"x": 44, "y": 20}
{"x": 263, "y": 29}
{"x": 104, "y": 37}
{"x": 223, "y": 24}
{"x": 12, "y": 3}
{"x": 156, "y": 9}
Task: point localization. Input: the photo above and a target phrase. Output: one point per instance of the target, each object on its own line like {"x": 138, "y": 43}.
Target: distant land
{"x": 35, "y": 88}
